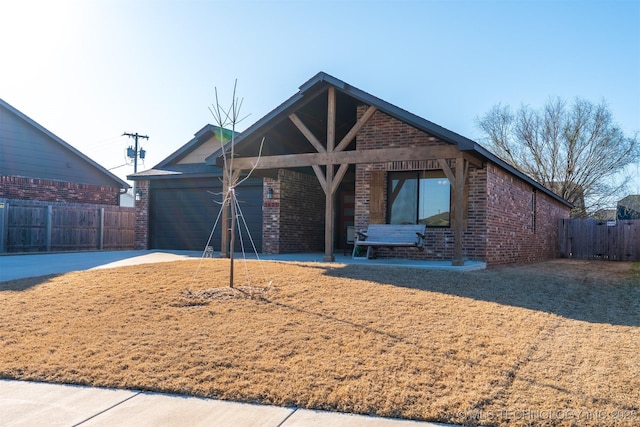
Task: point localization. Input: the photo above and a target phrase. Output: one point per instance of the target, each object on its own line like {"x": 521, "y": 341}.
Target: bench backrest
{"x": 394, "y": 232}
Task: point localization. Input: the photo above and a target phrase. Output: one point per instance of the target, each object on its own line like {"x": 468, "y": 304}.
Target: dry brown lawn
{"x": 555, "y": 343}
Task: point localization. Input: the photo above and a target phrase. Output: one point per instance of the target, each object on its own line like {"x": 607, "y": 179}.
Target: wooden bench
{"x": 389, "y": 235}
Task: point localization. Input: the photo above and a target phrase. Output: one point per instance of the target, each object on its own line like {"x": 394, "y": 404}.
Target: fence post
{"x": 101, "y": 229}
{"x": 4, "y": 225}
{"x": 48, "y": 228}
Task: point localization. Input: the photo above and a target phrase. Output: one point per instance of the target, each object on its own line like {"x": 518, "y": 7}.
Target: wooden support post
{"x": 328, "y": 217}
{"x": 4, "y": 225}
{"x": 329, "y": 211}
{"x": 458, "y": 226}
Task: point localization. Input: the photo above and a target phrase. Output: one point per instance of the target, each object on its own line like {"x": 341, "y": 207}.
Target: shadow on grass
{"x": 25, "y": 284}
{"x": 591, "y": 297}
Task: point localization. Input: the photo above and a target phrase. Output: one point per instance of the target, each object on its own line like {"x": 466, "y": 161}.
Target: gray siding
{"x": 25, "y": 150}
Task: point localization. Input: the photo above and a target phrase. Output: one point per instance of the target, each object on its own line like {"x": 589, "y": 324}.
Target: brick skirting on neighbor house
{"x": 46, "y": 190}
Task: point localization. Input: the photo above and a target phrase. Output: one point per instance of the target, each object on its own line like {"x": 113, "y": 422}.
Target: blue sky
{"x": 89, "y": 70}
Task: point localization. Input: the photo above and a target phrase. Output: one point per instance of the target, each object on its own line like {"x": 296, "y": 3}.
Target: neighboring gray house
{"x": 629, "y": 207}
{"x": 35, "y": 164}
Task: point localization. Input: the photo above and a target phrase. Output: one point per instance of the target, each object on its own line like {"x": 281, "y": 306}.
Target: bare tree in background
{"x": 575, "y": 150}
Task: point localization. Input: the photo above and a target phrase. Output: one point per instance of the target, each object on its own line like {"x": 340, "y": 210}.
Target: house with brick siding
{"x": 37, "y": 165}
{"x": 334, "y": 158}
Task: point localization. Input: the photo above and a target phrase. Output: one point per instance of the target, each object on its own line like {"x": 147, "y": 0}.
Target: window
{"x": 533, "y": 211}
{"x": 419, "y": 198}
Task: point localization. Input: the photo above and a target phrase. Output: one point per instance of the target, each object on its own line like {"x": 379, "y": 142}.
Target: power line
{"x": 116, "y": 167}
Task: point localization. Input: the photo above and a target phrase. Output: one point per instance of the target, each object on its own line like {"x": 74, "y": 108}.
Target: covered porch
{"x": 314, "y": 133}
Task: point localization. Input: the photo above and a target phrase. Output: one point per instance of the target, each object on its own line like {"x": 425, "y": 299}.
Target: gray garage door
{"x": 184, "y": 216}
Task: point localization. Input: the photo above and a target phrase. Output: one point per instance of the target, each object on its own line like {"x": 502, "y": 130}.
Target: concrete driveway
{"x": 42, "y": 264}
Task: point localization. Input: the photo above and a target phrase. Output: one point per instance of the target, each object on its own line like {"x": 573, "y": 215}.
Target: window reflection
{"x": 419, "y": 198}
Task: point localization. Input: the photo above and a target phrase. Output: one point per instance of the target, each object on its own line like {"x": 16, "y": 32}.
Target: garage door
{"x": 183, "y": 217}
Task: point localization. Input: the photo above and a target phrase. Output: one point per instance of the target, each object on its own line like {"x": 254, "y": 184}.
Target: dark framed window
{"x": 533, "y": 211}
{"x": 419, "y": 198}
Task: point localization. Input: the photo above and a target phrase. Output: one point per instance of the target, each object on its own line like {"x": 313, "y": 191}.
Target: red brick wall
{"x": 271, "y": 217}
{"x": 293, "y": 220}
{"x": 141, "y": 228}
{"x": 499, "y": 228}
{"x": 512, "y": 235}
{"x": 22, "y": 188}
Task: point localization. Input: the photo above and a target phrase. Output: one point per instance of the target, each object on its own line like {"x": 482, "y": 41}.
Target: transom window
{"x": 419, "y": 198}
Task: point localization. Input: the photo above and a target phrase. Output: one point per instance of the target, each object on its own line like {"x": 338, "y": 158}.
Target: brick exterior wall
{"x": 141, "y": 227}
{"x": 22, "y": 188}
{"x": 293, "y": 220}
{"x": 383, "y": 131}
{"x": 499, "y": 226}
{"x": 519, "y": 230}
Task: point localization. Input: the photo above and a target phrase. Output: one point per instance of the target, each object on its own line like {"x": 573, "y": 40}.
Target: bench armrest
{"x": 421, "y": 238}
{"x": 361, "y": 235}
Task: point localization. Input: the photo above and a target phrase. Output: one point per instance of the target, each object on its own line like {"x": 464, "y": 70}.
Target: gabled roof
{"x": 172, "y": 167}
{"x": 100, "y": 169}
{"x": 350, "y": 95}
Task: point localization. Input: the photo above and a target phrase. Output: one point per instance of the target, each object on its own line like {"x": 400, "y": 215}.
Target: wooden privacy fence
{"x": 598, "y": 239}
{"x": 32, "y": 226}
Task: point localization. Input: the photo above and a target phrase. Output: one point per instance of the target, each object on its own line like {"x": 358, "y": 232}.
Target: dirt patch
{"x": 554, "y": 343}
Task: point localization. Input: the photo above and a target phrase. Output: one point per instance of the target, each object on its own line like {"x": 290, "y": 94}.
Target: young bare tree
{"x": 227, "y": 119}
{"x": 575, "y": 150}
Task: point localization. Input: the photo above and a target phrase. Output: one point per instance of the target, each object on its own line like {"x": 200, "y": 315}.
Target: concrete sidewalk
{"x": 25, "y": 403}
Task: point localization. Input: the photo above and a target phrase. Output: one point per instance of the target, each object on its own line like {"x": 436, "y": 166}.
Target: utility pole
{"x": 134, "y": 153}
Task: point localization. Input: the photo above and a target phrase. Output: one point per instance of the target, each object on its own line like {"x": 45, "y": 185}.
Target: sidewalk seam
{"x": 287, "y": 417}
{"x": 107, "y": 409}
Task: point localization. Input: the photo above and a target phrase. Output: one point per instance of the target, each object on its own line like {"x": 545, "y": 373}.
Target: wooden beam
{"x": 447, "y": 171}
{"x": 307, "y": 133}
{"x": 356, "y": 128}
{"x": 337, "y": 179}
{"x": 380, "y": 155}
{"x": 331, "y": 119}
{"x": 473, "y": 160}
{"x": 321, "y": 177}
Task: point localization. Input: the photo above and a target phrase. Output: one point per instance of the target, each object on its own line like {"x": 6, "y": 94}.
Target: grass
{"x": 555, "y": 343}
